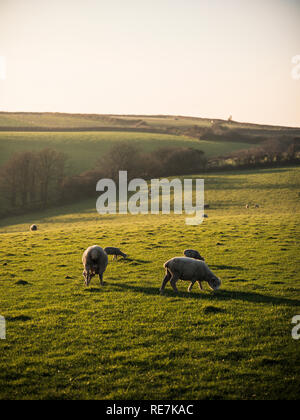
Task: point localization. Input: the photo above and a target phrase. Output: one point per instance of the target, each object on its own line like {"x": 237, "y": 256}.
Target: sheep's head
{"x": 200, "y": 258}
{"x": 214, "y": 283}
{"x": 94, "y": 270}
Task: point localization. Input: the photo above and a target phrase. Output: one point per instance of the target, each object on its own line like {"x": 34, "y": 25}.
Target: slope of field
{"x": 124, "y": 340}
{"x": 63, "y": 120}
{"x": 84, "y": 148}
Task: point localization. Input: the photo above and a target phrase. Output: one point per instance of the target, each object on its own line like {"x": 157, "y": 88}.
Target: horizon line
{"x": 150, "y": 116}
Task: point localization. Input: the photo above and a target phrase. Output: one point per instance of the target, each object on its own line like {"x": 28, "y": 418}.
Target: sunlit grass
{"x": 125, "y": 340}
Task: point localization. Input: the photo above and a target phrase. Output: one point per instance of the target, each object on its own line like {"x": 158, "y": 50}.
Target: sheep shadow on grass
{"x": 220, "y": 295}
{"x": 94, "y": 289}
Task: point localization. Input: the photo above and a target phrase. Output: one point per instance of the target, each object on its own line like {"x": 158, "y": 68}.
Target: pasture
{"x": 126, "y": 341}
{"x": 83, "y": 149}
{"x": 56, "y": 120}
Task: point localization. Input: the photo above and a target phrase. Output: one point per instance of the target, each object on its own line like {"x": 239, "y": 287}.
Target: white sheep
{"x": 33, "y": 228}
{"x": 95, "y": 261}
{"x": 183, "y": 268}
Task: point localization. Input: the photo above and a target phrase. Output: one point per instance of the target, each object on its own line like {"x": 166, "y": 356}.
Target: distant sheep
{"x": 192, "y": 253}
{"x": 95, "y": 261}
{"x": 183, "y": 268}
{"x": 247, "y": 206}
{"x": 33, "y": 228}
{"x": 110, "y": 250}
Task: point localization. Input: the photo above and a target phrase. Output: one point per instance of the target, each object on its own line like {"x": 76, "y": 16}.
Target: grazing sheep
{"x": 192, "y": 253}
{"x": 247, "y": 206}
{"x": 95, "y": 261}
{"x": 33, "y": 228}
{"x": 110, "y": 250}
{"x": 183, "y": 268}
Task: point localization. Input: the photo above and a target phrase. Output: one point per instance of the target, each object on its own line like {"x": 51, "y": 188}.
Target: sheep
{"x": 256, "y": 206}
{"x": 110, "y": 250}
{"x": 247, "y": 206}
{"x": 95, "y": 261}
{"x": 184, "y": 268}
{"x": 33, "y": 228}
{"x": 192, "y": 253}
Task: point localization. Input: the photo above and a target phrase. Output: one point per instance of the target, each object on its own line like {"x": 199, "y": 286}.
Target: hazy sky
{"x": 206, "y": 58}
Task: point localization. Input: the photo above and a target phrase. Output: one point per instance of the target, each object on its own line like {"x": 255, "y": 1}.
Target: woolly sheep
{"x": 183, "y": 268}
{"x": 33, "y": 228}
{"x": 110, "y": 250}
{"x": 192, "y": 253}
{"x": 95, "y": 261}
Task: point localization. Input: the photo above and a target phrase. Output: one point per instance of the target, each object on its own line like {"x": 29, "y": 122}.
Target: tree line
{"x": 37, "y": 180}
{"x": 31, "y": 180}
{"x": 272, "y": 152}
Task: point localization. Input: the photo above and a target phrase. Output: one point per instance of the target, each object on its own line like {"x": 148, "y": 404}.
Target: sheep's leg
{"x": 101, "y": 279}
{"x": 200, "y": 285}
{"x": 165, "y": 280}
{"x": 173, "y": 283}
{"x": 88, "y": 278}
{"x": 191, "y": 286}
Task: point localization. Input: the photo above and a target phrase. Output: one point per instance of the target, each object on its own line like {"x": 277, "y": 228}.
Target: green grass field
{"x": 62, "y": 120}
{"x": 126, "y": 341}
{"x": 84, "y": 148}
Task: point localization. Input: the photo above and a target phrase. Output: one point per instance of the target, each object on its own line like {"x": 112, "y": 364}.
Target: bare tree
{"x": 17, "y": 178}
{"x": 32, "y": 178}
{"x": 50, "y": 171}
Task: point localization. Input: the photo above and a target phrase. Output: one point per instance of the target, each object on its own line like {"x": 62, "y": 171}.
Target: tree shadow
{"x": 220, "y": 295}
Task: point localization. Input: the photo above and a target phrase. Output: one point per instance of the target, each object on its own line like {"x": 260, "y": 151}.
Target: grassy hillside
{"x": 84, "y": 148}
{"x": 84, "y": 137}
{"x": 124, "y": 340}
{"x": 62, "y": 120}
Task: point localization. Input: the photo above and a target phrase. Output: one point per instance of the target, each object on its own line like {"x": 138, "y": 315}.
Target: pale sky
{"x": 204, "y": 58}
